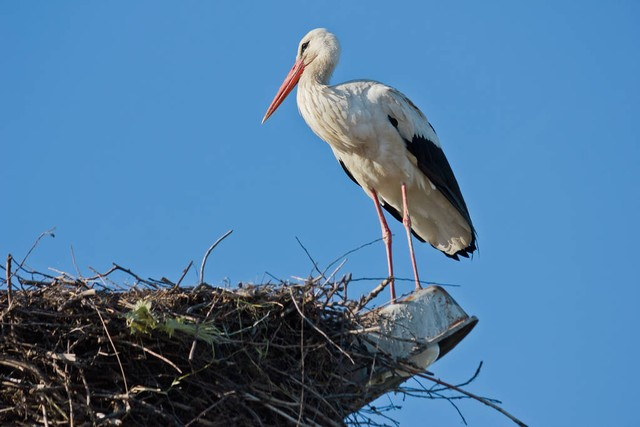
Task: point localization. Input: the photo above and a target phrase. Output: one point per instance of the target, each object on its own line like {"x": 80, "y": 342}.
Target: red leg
{"x": 386, "y": 236}
{"x": 406, "y": 220}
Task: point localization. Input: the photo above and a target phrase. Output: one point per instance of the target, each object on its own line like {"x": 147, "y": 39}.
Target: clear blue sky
{"x": 134, "y": 129}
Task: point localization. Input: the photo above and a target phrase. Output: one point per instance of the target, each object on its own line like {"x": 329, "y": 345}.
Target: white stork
{"x": 385, "y": 145}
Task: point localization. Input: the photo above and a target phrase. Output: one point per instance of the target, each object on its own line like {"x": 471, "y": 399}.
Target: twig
{"x": 293, "y": 299}
{"x": 351, "y": 251}
{"x": 184, "y": 273}
{"x": 115, "y": 351}
{"x": 8, "y": 271}
{"x": 335, "y": 288}
{"x": 101, "y": 275}
{"x": 117, "y": 267}
{"x": 274, "y": 277}
{"x": 473, "y": 377}
{"x": 345, "y": 296}
{"x": 206, "y": 255}
{"x": 315, "y": 264}
{"x": 86, "y": 388}
{"x": 302, "y": 373}
{"x": 77, "y": 297}
{"x": 267, "y": 400}
{"x": 203, "y": 412}
{"x": 449, "y": 399}
{"x": 192, "y": 351}
{"x": 466, "y": 393}
{"x": 135, "y": 276}
{"x": 75, "y": 265}
{"x": 43, "y": 234}
{"x": 374, "y": 293}
{"x": 67, "y": 388}
{"x": 334, "y": 273}
{"x": 44, "y": 415}
{"x": 159, "y": 356}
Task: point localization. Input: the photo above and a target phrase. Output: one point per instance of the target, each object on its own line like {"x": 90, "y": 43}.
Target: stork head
{"x": 319, "y": 51}
{"x": 317, "y": 57}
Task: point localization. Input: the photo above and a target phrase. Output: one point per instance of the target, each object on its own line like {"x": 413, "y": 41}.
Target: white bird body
{"x": 353, "y": 118}
{"x": 385, "y": 144}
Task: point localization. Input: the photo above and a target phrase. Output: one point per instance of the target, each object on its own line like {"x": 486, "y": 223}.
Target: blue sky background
{"x": 134, "y": 129}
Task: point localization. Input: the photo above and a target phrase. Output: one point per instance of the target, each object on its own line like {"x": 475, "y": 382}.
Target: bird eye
{"x": 304, "y": 47}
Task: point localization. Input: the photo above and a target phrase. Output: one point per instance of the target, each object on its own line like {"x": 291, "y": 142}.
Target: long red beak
{"x": 287, "y": 86}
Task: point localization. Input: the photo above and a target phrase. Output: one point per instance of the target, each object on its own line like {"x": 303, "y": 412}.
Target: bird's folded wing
{"x": 423, "y": 143}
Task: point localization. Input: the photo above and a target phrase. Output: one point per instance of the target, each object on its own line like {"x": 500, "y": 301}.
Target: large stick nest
{"x": 72, "y": 353}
